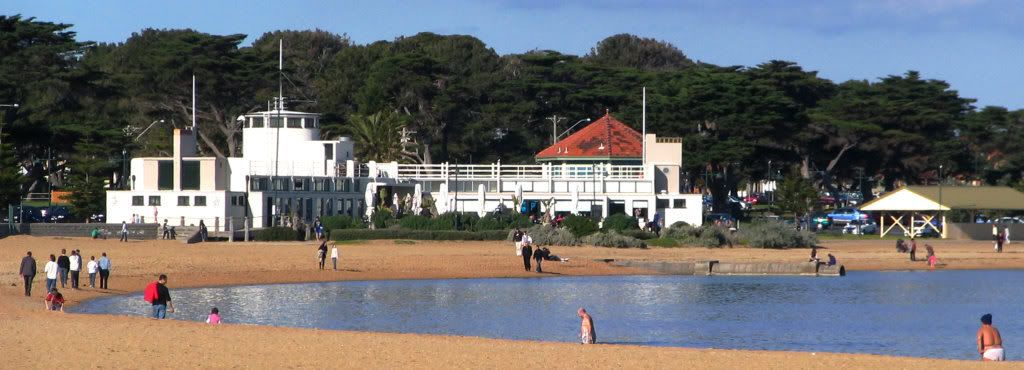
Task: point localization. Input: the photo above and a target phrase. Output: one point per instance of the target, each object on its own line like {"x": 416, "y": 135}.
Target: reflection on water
{"x": 925, "y": 314}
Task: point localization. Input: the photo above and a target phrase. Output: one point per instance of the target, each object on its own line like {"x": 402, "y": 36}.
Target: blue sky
{"x": 976, "y": 45}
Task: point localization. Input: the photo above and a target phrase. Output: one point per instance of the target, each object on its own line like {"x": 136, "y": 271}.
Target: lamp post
{"x": 942, "y": 234}
{"x": 569, "y": 129}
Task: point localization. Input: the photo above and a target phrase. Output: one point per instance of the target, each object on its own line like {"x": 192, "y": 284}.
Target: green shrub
{"x": 505, "y": 221}
{"x": 380, "y": 218}
{"x": 547, "y": 235}
{"x": 580, "y": 226}
{"x": 620, "y": 222}
{"x": 340, "y": 222}
{"x": 613, "y": 240}
{"x": 413, "y": 222}
{"x": 708, "y": 236}
{"x": 279, "y": 233}
{"x": 775, "y": 234}
{"x": 397, "y": 233}
{"x": 639, "y": 234}
{"x": 662, "y": 242}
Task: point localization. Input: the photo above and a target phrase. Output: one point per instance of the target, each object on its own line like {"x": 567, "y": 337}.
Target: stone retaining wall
{"x": 727, "y": 268}
{"x": 112, "y": 231}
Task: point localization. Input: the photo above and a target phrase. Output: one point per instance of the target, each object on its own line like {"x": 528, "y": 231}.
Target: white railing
{"x": 498, "y": 171}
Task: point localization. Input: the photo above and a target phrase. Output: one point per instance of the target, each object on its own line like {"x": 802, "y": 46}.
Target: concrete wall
{"x": 135, "y": 231}
{"x": 726, "y": 268}
{"x": 973, "y": 231}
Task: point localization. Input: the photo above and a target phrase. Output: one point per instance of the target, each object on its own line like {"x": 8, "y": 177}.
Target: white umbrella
{"x": 370, "y": 189}
{"x": 575, "y": 199}
{"x": 480, "y": 195}
{"x": 417, "y": 198}
{"x": 442, "y": 200}
{"x": 519, "y": 198}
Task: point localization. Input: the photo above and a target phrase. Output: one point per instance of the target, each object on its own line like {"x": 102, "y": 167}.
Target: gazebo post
{"x": 881, "y": 225}
{"x": 943, "y": 226}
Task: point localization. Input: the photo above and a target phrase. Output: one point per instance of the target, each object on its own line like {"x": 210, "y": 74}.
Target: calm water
{"x": 924, "y": 314}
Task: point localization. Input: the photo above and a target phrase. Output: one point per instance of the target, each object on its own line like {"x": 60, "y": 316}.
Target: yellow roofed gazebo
{"x": 926, "y": 203}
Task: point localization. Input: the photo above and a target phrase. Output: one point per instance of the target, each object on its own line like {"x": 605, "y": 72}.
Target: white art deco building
{"x": 288, "y": 172}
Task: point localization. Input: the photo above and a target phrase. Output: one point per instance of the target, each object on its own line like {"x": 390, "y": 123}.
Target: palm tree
{"x": 378, "y": 136}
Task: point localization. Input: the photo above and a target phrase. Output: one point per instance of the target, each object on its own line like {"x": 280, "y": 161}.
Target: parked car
{"x": 722, "y": 218}
{"x": 845, "y": 215}
{"x": 820, "y": 220}
{"x": 850, "y": 198}
{"x": 827, "y": 199}
{"x": 923, "y": 231}
{"x": 859, "y": 227}
{"x": 754, "y": 199}
{"x": 743, "y": 205}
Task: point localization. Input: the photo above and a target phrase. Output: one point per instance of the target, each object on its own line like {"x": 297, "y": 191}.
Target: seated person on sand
{"x": 55, "y": 301}
{"x": 901, "y": 247}
{"x": 831, "y": 260}
{"x": 550, "y": 257}
{"x": 814, "y": 254}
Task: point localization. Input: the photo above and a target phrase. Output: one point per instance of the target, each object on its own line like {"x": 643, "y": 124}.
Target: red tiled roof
{"x": 592, "y": 141}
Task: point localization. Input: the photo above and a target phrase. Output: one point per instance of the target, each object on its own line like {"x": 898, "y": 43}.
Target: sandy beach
{"x": 34, "y": 338}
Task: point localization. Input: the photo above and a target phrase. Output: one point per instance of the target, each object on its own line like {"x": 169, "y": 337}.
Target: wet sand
{"x": 33, "y": 338}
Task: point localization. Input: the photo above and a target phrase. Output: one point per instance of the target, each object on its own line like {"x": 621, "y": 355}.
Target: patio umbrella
{"x": 482, "y": 199}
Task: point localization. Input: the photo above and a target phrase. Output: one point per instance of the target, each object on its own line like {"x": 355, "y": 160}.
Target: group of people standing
{"x": 524, "y": 248}
{"x": 321, "y": 254}
{"x": 62, "y": 269}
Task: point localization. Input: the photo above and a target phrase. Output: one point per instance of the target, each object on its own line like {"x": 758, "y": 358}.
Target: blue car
{"x": 845, "y": 215}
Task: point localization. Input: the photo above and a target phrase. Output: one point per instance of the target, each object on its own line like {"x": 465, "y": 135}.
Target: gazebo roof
{"x": 945, "y": 198}
{"x": 604, "y": 138}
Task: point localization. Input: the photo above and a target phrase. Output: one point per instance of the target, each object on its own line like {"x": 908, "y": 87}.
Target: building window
{"x": 154, "y": 200}
{"x": 328, "y": 151}
{"x": 183, "y": 201}
{"x": 257, "y": 122}
{"x": 260, "y": 184}
{"x": 294, "y": 122}
{"x": 280, "y": 184}
{"x": 165, "y": 175}
{"x": 679, "y": 203}
{"x": 318, "y": 185}
{"x": 190, "y": 175}
{"x": 300, "y": 184}
{"x": 661, "y": 203}
{"x": 138, "y": 200}
{"x": 310, "y": 123}
{"x": 276, "y": 121}
{"x": 200, "y": 200}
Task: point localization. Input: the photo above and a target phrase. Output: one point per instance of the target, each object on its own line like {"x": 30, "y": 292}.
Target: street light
{"x": 569, "y": 129}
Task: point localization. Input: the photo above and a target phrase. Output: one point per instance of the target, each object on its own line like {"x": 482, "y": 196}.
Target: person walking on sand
{"x": 92, "y": 268}
{"x": 334, "y": 255}
{"x": 159, "y": 297}
{"x": 913, "y": 249}
{"x": 587, "y": 333}
{"x": 321, "y": 254}
{"x": 50, "y": 269}
{"x": 990, "y": 343}
{"x": 64, "y": 265}
{"x": 517, "y": 240}
{"x": 166, "y": 231}
{"x": 527, "y": 252}
{"x": 538, "y": 256}
{"x": 124, "y": 231}
{"x": 995, "y": 236}
{"x": 76, "y": 268}
{"x": 28, "y": 272}
{"x": 104, "y": 266}
{"x": 1000, "y": 239}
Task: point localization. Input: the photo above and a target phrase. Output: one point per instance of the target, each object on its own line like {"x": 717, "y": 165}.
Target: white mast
{"x": 643, "y": 157}
{"x": 280, "y": 74}
{"x": 193, "y": 103}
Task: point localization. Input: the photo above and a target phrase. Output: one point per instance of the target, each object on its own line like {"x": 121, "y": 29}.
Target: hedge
{"x": 279, "y": 233}
{"x": 366, "y": 234}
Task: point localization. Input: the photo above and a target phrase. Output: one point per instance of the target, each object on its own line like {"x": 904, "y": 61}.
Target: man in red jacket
{"x": 159, "y": 296}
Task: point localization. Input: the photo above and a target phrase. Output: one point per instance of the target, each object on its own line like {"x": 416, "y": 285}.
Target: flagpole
{"x": 643, "y": 158}
{"x": 193, "y": 102}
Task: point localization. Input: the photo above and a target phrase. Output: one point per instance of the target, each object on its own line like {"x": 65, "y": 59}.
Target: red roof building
{"x": 603, "y": 140}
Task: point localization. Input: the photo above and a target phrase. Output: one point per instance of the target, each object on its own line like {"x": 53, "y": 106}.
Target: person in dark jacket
{"x": 63, "y": 266}
{"x": 527, "y": 253}
{"x": 28, "y": 271}
{"x": 538, "y": 256}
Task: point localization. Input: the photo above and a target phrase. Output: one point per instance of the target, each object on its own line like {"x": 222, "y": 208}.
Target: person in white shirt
{"x": 51, "y": 273}
{"x": 92, "y": 268}
{"x": 76, "y": 268}
{"x": 334, "y": 256}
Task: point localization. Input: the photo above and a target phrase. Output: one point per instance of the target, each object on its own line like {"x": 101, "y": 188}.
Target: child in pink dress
{"x": 214, "y": 317}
